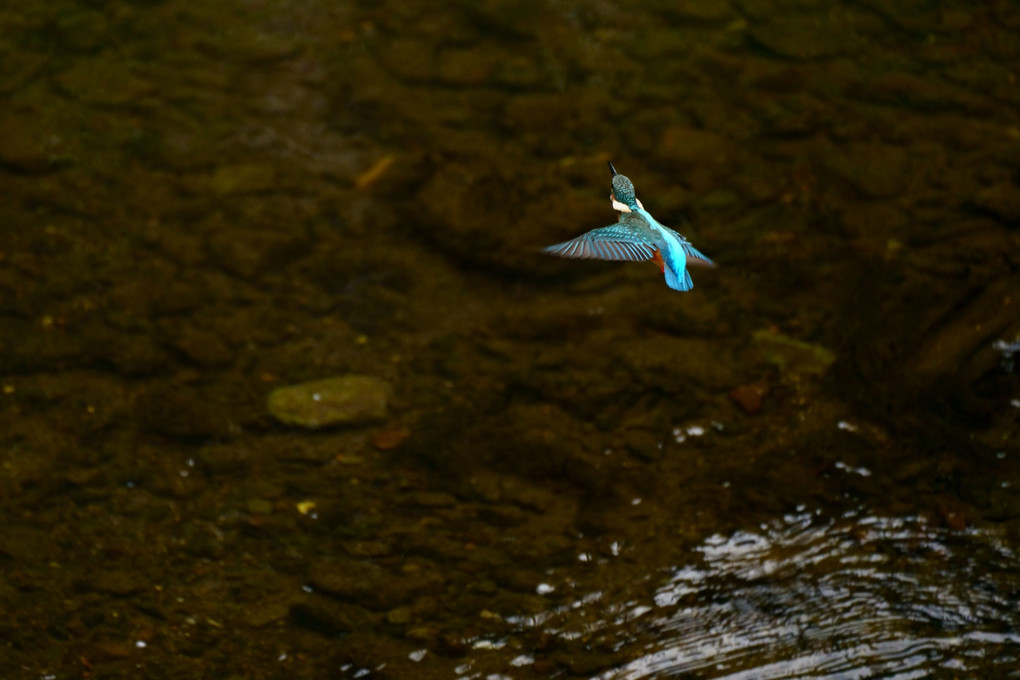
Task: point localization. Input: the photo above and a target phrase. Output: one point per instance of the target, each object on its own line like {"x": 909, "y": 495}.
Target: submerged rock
{"x": 749, "y": 397}
{"x": 1001, "y": 200}
{"x": 792, "y": 354}
{"x": 23, "y": 149}
{"x": 876, "y": 171}
{"x": 457, "y": 215}
{"x": 806, "y": 38}
{"x": 348, "y": 400}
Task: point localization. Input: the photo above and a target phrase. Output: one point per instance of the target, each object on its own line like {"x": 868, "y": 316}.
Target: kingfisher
{"x": 636, "y": 237}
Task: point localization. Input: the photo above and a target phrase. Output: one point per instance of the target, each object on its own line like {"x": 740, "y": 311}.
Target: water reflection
{"x": 804, "y": 596}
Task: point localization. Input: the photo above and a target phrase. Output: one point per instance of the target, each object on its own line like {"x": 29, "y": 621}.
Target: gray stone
{"x": 347, "y": 400}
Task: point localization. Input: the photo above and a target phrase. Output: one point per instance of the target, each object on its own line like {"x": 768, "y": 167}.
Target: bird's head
{"x": 624, "y": 199}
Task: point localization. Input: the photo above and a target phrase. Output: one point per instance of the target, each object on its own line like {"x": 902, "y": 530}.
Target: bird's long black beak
{"x": 612, "y": 169}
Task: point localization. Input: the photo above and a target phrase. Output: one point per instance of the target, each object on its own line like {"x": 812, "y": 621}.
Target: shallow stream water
{"x": 807, "y": 467}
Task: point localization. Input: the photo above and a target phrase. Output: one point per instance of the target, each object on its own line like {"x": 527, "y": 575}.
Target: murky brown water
{"x": 806, "y": 467}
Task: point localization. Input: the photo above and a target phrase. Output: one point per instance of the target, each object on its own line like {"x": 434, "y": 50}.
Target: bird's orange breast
{"x": 657, "y": 259}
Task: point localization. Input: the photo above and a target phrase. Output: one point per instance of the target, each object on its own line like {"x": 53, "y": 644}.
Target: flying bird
{"x": 636, "y": 237}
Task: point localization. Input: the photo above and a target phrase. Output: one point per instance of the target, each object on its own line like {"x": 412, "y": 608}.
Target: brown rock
{"x": 386, "y": 440}
{"x": 749, "y": 397}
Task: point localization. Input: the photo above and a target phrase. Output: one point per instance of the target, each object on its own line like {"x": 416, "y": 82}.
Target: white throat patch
{"x": 620, "y": 207}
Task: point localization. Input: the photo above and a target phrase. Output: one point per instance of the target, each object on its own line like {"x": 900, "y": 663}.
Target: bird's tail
{"x": 681, "y": 283}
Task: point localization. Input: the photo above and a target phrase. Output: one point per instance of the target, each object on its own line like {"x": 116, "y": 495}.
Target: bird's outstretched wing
{"x": 694, "y": 256}
{"x": 618, "y": 242}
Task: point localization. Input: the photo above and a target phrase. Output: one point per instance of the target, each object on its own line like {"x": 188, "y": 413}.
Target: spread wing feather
{"x": 617, "y": 242}
{"x": 694, "y": 256}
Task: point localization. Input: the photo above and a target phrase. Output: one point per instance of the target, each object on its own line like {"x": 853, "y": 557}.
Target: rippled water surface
{"x": 855, "y": 597}
{"x": 288, "y": 390}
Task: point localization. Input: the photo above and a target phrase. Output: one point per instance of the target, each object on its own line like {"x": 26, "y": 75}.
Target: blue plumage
{"x": 636, "y": 237}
